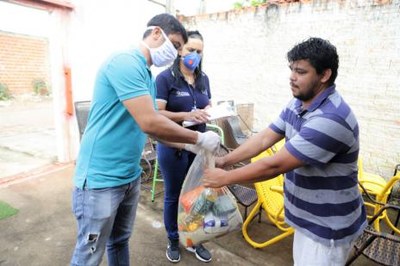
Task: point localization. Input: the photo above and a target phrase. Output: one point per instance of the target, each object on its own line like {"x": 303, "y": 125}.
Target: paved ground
{"x": 43, "y": 231}
{"x": 45, "y": 225}
{"x": 27, "y": 135}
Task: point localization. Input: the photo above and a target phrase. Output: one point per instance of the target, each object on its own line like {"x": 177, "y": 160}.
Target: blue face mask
{"x": 191, "y": 61}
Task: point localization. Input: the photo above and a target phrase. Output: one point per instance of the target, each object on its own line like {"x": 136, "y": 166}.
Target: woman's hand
{"x": 198, "y": 116}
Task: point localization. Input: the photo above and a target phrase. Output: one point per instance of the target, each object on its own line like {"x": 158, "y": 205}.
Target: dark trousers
{"x": 174, "y": 164}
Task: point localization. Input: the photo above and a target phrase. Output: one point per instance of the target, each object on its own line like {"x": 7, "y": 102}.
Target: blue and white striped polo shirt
{"x": 321, "y": 198}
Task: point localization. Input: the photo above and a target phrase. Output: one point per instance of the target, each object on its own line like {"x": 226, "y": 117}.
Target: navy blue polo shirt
{"x": 179, "y": 96}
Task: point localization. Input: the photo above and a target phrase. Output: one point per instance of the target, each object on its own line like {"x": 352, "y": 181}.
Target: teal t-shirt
{"x": 113, "y": 142}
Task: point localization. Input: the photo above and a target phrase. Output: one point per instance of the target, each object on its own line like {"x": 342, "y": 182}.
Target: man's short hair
{"x": 320, "y": 53}
{"x": 169, "y": 24}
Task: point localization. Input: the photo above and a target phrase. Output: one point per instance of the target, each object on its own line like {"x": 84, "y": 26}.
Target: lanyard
{"x": 193, "y": 94}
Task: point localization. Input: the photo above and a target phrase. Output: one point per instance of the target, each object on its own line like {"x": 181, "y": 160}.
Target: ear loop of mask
{"x": 162, "y": 31}
{"x": 151, "y": 28}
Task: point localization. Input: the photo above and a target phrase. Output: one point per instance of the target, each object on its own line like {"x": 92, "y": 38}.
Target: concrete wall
{"x": 245, "y": 58}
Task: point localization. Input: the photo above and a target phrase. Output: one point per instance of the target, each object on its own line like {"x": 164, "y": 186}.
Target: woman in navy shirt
{"x": 183, "y": 94}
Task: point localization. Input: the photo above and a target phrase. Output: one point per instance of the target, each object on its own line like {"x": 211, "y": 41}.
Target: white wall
{"x": 35, "y": 21}
{"x": 98, "y": 29}
{"x": 194, "y": 7}
{"x": 247, "y": 63}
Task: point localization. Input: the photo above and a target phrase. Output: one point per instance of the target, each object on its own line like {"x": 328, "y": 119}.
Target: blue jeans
{"x": 174, "y": 166}
{"x": 105, "y": 220}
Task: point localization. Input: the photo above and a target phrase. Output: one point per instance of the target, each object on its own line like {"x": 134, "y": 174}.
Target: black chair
{"x": 396, "y": 169}
{"x": 149, "y": 155}
{"x": 381, "y": 246}
{"x": 244, "y": 195}
{"x": 82, "y": 109}
{"x": 234, "y": 135}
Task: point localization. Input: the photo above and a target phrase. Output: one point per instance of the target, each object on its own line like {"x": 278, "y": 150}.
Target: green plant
{"x": 254, "y": 3}
{"x": 237, "y": 5}
{"x": 4, "y": 92}
{"x": 257, "y": 2}
{"x": 40, "y": 87}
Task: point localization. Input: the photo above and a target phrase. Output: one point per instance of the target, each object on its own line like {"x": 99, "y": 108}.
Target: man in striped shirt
{"x": 322, "y": 201}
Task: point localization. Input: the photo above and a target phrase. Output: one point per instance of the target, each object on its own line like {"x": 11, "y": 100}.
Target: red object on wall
{"x": 69, "y": 107}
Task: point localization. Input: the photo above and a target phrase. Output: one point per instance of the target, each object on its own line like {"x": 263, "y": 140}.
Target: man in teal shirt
{"x": 106, "y": 179}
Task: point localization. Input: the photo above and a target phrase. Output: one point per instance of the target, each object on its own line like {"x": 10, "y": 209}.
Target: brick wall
{"x": 23, "y": 59}
{"x": 245, "y": 58}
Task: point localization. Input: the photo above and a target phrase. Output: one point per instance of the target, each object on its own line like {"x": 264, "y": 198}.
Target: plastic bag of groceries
{"x": 205, "y": 213}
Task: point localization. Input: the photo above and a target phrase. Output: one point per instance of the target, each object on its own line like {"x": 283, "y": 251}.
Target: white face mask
{"x": 164, "y": 54}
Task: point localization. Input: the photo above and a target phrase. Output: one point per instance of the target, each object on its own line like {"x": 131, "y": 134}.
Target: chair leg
{"x": 155, "y": 180}
{"x": 254, "y": 212}
{"x": 259, "y": 213}
{"x": 357, "y": 252}
{"x": 396, "y": 222}
{"x": 353, "y": 257}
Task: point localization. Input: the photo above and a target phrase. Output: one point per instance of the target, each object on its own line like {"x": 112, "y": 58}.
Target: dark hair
{"x": 168, "y": 23}
{"x": 320, "y": 53}
{"x": 198, "y": 72}
{"x": 194, "y": 34}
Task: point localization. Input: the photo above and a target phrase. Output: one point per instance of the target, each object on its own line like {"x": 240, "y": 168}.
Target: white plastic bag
{"x": 205, "y": 213}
